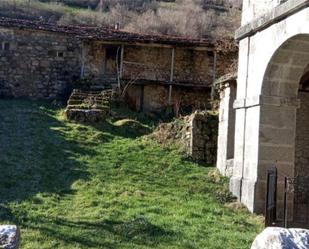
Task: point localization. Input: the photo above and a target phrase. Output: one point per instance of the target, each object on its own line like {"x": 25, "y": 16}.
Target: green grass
{"x": 107, "y": 186}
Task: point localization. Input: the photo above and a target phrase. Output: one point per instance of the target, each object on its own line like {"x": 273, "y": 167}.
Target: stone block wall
{"x": 302, "y": 136}
{"x": 154, "y": 63}
{"x": 153, "y": 99}
{"x": 195, "y": 135}
{"x": 37, "y": 64}
{"x": 45, "y": 65}
{"x": 194, "y": 66}
{"x": 226, "y": 129}
{"x": 203, "y": 138}
{"x": 150, "y": 63}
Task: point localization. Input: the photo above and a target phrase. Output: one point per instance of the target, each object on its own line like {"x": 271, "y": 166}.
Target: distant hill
{"x": 194, "y": 18}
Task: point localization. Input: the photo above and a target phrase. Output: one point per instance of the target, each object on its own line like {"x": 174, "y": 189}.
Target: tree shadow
{"x": 138, "y": 231}
{"x": 126, "y": 123}
{"x": 35, "y": 155}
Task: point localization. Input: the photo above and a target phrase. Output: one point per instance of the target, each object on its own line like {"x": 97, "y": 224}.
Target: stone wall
{"x": 194, "y": 66}
{"x": 154, "y": 99}
{"x": 203, "y": 140}
{"x": 226, "y": 129}
{"x": 149, "y": 63}
{"x": 154, "y": 63}
{"x": 195, "y": 135}
{"x": 302, "y": 136}
{"x": 37, "y": 64}
{"x": 45, "y": 65}
{"x": 266, "y": 104}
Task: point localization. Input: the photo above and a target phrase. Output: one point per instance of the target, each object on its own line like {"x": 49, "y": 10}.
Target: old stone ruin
{"x": 195, "y": 135}
{"x": 89, "y": 106}
{"x": 44, "y": 61}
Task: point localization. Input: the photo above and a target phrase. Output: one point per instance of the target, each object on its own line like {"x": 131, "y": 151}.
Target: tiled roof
{"x": 108, "y": 34}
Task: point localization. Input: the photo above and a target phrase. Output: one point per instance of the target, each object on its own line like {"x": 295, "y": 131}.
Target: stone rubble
{"x": 281, "y": 238}
{"x": 9, "y": 237}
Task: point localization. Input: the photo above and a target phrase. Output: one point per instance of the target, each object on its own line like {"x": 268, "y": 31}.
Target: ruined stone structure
{"x": 195, "y": 135}
{"x": 271, "y": 105}
{"x": 44, "y": 61}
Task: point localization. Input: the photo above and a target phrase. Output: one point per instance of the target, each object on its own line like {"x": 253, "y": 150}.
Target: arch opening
{"x": 284, "y": 122}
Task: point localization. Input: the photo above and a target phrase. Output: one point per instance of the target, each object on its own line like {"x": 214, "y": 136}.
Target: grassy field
{"x": 107, "y": 186}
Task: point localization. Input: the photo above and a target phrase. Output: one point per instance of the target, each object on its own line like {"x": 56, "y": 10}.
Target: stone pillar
{"x": 235, "y": 182}
{"x": 225, "y": 153}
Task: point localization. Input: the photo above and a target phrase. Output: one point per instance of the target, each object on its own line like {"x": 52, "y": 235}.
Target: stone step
{"x": 89, "y": 105}
{"x": 100, "y": 107}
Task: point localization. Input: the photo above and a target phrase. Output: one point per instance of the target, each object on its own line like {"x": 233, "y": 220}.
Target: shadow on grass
{"x": 126, "y": 123}
{"x": 137, "y": 231}
{"x": 35, "y": 155}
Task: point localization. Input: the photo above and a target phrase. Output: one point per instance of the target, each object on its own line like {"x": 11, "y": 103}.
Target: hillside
{"x": 194, "y": 18}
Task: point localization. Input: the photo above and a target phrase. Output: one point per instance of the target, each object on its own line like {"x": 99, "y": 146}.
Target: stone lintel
{"x": 266, "y": 100}
{"x": 276, "y": 15}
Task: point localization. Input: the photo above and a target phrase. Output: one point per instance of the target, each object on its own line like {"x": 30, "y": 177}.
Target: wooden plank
{"x": 171, "y": 77}
{"x": 121, "y": 61}
{"x": 214, "y": 76}
{"x": 155, "y": 45}
{"x": 83, "y": 60}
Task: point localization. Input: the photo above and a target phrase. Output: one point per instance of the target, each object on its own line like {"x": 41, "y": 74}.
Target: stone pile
{"x": 88, "y": 106}
{"x": 196, "y": 135}
{"x": 281, "y": 238}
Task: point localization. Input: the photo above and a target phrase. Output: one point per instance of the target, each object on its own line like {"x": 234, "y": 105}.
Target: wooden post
{"x": 83, "y": 60}
{"x": 171, "y": 78}
{"x": 214, "y": 75}
{"x": 120, "y": 67}
{"x": 141, "y": 103}
{"x": 121, "y": 61}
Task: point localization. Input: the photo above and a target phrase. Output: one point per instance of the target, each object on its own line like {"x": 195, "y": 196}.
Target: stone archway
{"x": 266, "y": 110}
{"x": 282, "y": 111}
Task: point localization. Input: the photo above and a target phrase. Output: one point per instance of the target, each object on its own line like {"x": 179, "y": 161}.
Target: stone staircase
{"x": 89, "y": 106}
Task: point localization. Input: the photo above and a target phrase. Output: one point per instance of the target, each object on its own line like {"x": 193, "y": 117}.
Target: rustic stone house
{"x": 270, "y": 108}
{"x": 44, "y": 61}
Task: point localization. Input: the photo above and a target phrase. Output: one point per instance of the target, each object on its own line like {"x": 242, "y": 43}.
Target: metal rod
{"x": 267, "y": 202}
{"x": 285, "y": 214}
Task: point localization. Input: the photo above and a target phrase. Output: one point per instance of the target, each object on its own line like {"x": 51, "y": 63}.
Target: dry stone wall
{"x": 37, "y": 64}
{"x": 47, "y": 65}
{"x": 195, "y": 135}
{"x": 153, "y": 99}
{"x": 190, "y": 66}
{"x": 203, "y": 140}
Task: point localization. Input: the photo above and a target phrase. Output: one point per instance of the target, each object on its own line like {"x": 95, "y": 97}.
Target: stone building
{"x": 45, "y": 61}
{"x": 272, "y": 101}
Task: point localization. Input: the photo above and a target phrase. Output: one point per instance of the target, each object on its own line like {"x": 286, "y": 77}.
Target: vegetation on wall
{"x": 194, "y": 18}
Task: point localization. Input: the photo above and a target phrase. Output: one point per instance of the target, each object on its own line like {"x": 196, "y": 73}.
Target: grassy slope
{"x": 77, "y": 186}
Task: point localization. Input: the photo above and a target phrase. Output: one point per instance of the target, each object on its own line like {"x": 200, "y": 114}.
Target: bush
{"x": 183, "y": 17}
